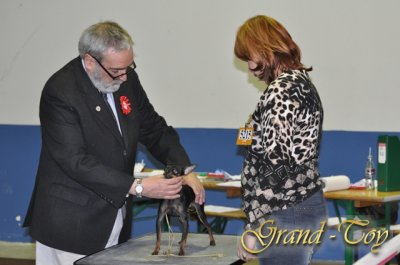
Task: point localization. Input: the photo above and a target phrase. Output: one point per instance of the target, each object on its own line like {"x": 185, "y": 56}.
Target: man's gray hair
{"x": 102, "y": 36}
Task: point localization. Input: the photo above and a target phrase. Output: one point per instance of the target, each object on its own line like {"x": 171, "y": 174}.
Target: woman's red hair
{"x": 265, "y": 41}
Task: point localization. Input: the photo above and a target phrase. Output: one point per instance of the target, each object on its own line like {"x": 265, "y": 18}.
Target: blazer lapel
{"x": 97, "y": 105}
{"x": 122, "y": 117}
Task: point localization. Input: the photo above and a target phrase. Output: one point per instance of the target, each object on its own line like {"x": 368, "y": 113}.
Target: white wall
{"x": 184, "y": 50}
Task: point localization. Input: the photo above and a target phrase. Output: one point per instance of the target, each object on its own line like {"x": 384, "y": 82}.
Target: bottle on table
{"x": 370, "y": 173}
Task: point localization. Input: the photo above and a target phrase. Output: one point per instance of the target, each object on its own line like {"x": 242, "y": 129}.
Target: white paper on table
{"x": 219, "y": 209}
{"x": 139, "y": 167}
{"x": 361, "y": 184}
{"x": 230, "y": 184}
{"x": 234, "y": 177}
{"x": 334, "y": 183}
{"x": 148, "y": 174}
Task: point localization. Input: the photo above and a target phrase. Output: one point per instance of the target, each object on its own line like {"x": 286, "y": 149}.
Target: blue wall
{"x": 342, "y": 152}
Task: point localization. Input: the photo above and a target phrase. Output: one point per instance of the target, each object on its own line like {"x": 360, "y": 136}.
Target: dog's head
{"x": 176, "y": 170}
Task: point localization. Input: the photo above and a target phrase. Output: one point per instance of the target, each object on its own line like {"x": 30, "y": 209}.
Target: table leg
{"x": 217, "y": 225}
{"x": 388, "y": 221}
{"x": 349, "y": 250}
{"x": 388, "y": 214}
{"x": 140, "y": 205}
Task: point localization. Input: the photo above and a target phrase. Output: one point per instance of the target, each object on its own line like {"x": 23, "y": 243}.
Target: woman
{"x": 280, "y": 177}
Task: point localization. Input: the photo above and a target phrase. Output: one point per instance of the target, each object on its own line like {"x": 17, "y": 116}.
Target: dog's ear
{"x": 175, "y": 170}
{"x": 171, "y": 170}
{"x": 189, "y": 169}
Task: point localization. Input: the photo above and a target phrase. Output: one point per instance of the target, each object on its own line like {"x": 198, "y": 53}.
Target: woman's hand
{"x": 158, "y": 187}
{"x": 192, "y": 181}
{"x": 250, "y": 242}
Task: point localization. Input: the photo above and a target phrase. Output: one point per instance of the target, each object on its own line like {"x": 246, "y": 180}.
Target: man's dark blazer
{"x": 86, "y": 166}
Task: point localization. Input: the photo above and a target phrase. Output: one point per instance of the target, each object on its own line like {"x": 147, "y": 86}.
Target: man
{"x": 93, "y": 113}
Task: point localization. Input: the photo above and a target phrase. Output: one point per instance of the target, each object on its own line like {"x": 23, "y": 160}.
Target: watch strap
{"x": 139, "y": 184}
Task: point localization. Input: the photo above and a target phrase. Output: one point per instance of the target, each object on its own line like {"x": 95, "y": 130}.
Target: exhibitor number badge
{"x": 245, "y": 136}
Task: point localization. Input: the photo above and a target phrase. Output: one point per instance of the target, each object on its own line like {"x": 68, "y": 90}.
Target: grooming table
{"x": 138, "y": 251}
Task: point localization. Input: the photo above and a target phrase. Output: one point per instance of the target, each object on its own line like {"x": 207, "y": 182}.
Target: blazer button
{"x": 125, "y": 153}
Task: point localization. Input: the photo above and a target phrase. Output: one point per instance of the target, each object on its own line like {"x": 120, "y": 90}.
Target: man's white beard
{"x": 101, "y": 86}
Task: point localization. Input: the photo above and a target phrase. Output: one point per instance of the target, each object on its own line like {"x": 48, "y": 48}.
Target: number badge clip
{"x": 245, "y": 136}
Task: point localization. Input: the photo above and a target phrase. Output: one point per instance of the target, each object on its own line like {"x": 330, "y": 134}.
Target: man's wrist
{"x": 138, "y": 187}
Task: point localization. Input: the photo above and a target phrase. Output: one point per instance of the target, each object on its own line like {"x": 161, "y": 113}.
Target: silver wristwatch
{"x": 139, "y": 188}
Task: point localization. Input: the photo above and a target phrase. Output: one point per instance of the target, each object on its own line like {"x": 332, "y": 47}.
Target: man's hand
{"x": 158, "y": 187}
{"x": 192, "y": 181}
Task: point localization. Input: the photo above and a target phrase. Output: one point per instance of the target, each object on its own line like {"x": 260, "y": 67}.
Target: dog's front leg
{"x": 160, "y": 218}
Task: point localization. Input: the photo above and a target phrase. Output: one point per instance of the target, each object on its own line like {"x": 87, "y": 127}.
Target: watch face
{"x": 139, "y": 188}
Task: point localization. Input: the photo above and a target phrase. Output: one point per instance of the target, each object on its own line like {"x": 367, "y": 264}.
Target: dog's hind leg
{"x": 184, "y": 219}
{"x": 203, "y": 219}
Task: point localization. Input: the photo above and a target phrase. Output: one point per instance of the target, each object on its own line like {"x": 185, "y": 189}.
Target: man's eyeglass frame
{"x": 127, "y": 70}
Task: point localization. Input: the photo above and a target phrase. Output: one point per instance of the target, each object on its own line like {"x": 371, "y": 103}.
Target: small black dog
{"x": 181, "y": 207}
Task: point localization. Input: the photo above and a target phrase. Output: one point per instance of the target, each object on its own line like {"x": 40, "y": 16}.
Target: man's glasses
{"x": 114, "y": 77}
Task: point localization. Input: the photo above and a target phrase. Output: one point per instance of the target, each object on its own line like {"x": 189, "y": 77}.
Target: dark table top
{"x": 138, "y": 251}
